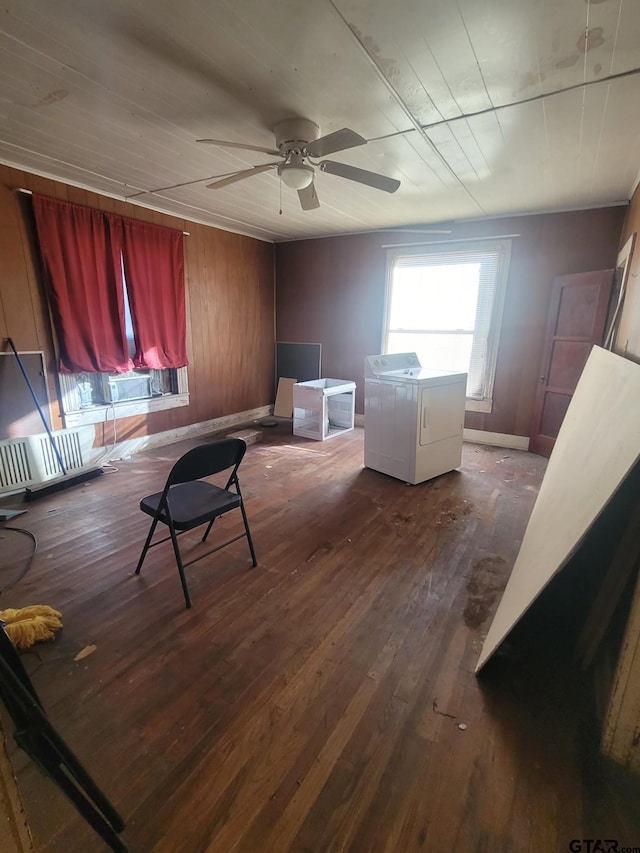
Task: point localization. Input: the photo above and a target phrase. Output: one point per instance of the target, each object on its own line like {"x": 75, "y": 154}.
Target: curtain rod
{"x": 456, "y": 240}
{"x": 30, "y": 192}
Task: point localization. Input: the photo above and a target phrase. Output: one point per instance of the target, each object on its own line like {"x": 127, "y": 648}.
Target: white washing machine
{"x": 413, "y": 417}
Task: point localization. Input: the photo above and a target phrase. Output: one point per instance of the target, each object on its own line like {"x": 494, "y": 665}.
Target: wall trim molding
{"x": 496, "y": 439}
{"x": 124, "y": 449}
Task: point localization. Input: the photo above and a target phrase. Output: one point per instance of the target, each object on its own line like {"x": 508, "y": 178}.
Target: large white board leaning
{"x": 598, "y": 444}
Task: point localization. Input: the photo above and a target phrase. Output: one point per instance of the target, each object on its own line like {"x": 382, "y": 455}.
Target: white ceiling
{"x": 478, "y": 107}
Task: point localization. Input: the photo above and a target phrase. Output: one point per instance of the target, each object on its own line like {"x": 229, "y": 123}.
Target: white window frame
{"x": 503, "y": 249}
{"x": 74, "y": 416}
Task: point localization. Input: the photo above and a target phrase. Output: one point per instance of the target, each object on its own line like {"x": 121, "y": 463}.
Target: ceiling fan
{"x": 297, "y": 142}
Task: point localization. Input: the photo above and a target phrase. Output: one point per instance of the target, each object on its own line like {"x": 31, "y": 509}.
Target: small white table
{"x": 323, "y": 408}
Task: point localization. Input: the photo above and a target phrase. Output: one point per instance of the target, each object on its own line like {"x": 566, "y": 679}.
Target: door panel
{"x": 578, "y": 308}
{"x": 567, "y": 363}
{"x": 575, "y": 323}
{"x": 440, "y": 413}
{"x": 555, "y": 409}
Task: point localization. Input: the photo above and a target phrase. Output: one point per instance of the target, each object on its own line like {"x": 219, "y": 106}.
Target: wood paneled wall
{"x": 331, "y": 291}
{"x": 230, "y": 307}
{"x": 628, "y": 336}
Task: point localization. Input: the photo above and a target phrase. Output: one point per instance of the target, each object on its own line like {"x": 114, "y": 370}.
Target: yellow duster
{"x": 27, "y": 625}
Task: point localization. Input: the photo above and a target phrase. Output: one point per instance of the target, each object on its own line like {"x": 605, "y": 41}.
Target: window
{"x": 116, "y": 294}
{"x": 445, "y": 304}
{"x": 137, "y": 391}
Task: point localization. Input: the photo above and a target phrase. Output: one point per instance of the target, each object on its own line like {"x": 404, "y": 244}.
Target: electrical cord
{"x": 115, "y": 427}
{"x": 112, "y": 407}
{"x": 106, "y": 466}
{"x": 29, "y": 558}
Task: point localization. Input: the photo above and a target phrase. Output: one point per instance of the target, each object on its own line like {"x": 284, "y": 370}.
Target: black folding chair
{"x": 188, "y": 501}
{"x": 36, "y": 736}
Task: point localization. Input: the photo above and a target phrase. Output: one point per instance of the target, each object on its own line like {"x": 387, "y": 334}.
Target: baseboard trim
{"x": 496, "y": 439}
{"x": 124, "y": 449}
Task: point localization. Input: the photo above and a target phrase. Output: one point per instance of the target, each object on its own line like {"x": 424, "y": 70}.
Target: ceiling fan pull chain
{"x": 280, "y": 183}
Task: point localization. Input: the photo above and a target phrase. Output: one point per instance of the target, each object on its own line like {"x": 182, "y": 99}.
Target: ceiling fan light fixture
{"x": 297, "y": 177}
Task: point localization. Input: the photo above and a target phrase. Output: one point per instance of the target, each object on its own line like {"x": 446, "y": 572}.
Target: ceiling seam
{"x": 416, "y": 124}
{"x": 631, "y": 72}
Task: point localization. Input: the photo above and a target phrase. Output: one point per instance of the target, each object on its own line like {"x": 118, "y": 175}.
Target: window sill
{"x": 126, "y": 409}
{"x": 478, "y": 405}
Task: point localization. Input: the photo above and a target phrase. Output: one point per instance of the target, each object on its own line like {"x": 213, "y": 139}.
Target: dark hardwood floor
{"x": 325, "y": 700}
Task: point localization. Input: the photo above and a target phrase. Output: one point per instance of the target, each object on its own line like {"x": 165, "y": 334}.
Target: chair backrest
{"x": 208, "y": 459}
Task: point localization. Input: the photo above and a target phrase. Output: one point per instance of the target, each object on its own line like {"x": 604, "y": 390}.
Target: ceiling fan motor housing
{"x": 294, "y": 134}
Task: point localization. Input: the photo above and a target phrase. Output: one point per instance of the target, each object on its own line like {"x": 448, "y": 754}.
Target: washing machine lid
{"x": 403, "y": 367}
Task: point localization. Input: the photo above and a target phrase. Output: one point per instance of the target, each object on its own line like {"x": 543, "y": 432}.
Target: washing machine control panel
{"x": 389, "y": 364}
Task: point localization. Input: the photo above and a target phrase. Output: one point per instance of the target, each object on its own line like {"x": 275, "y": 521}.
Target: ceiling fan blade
{"x": 340, "y": 140}
{"x": 309, "y": 198}
{"x": 240, "y": 176}
{"x": 241, "y": 145}
{"x": 362, "y": 176}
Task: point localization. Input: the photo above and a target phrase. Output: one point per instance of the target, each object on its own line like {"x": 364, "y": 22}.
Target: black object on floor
{"x": 36, "y": 736}
{"x": 32, "y": 493}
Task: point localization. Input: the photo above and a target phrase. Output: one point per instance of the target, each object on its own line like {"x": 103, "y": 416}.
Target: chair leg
{"x": 183, "y": 579}
{"x": 207, "y": 531}
{"x": 248, "y": 532}
{"x": 146, "y": 545}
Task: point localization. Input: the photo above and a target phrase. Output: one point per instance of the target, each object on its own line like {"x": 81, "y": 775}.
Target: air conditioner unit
{"x": 136, "y": 387}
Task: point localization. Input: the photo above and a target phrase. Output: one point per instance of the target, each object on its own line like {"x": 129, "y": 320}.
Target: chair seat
{"x": 192, "y": 504}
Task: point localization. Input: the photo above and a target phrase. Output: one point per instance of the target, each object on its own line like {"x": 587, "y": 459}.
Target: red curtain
{"x": 81, "y": 250}
{"x": 154, "y": 271}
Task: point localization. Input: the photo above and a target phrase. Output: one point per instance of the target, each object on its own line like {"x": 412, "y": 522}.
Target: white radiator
{"x": 32, "y": 460}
